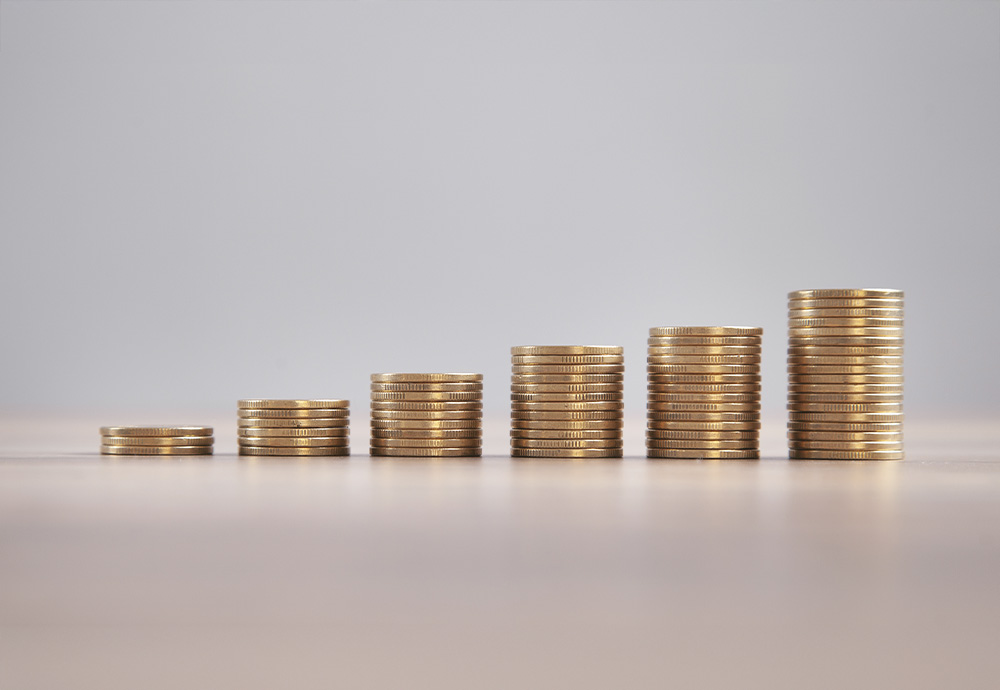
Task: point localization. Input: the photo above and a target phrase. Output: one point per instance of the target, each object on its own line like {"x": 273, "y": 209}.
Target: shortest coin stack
{"x": 156, "y": 440}
{"x": 294, "y": 427}
{"x": 427, "y": 415}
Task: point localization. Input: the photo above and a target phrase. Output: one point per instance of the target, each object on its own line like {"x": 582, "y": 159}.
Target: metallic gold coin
{"x": 319, "y": 432}
{"x": 701, "y": 444}
{"x": 752, "y": 435}
{"x": 852, "y": 341}
{"x": 425, "y": 378}
{"x": 796, "y": 445}
{"x": 566, "y": 397}
{"x": 571, "y": 369}
{"x": 427, "y": 433}
{"x": 668, "y": 368}
{"x": 704, "y": 341}
{"x": 156, "y": 450}
{"x": 181, "y": 430}
{"x": 699, "y": 427}
{"x": 856, "y": 427}
{"x": 433, "y": 415}
{"x": 566, "y": 387}
{"x": 856, "y": 407}
{"x": 603, "y": 443}
{"x": 319, "y": 422}
{"x": 795, "y": 369}
{"x": 662, "y": 416}
{"x": 596, "y": 406}
{"x": 291, "y": 452}
{"x": 655, "y": 406}
{"x": 844, "y": 360}
{"x": 849, "y": 313}
{"x": 567, "y": 379}
{"x": 595, "y": 453}
{"x": 845, "y": 454}
{"x": 403, "y": 387}
{"x": 157, "y": 440}
{"x": 425, "y": 442}
{"x": 660, "y": 348}
{"x": 845, "y": 304}
{"x": 296, "y": 442}
{"x": 797, "y": 387}
{"x": 612, "y": 425}
{"x": 826, "y": 417}
{"x": 439, "y": 396}
{"x": 702, "y": 454}
{"x": 851, "y": 293}
{"x": 426, "y": 405}
{"x": 846, "y": 379}
{"x": 568, "y": 434}
{"x": 894, "y": 396}
{"x": 657, "y": 375}
{"x": 270, "y": 404}
{"x": 521, "y": 360}
{"x": 565, "y": 416}
{"x": 796, "y": 322}
{"x": 427, "y": 452}
{"x": 563, "y": 350}
{"x": 869, "y": 436}
{"x": 427, "y": 424}
{"x": 703, "y": 397}
{"x": 294, "y": 413}
{"x": 702, "y": 388}
{"x": 665, "y": 355}
{"x": 703, "y": 331}
{"x": 844, "y": 351}
{"x": 820, "y": 333}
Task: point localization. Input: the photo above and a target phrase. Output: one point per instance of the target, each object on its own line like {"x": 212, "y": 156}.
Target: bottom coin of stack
{"x": 427, "y": 415}
{"x": 294, "y": 427}
{"x": 566, "y": 401}
{"x": 156, "y": 440}
{"x": 704, "y": 392}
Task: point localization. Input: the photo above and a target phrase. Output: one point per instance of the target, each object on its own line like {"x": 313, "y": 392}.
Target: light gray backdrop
{"x": 205, "y": 201}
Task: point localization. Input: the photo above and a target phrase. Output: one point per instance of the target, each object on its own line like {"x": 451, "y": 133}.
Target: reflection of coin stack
{"x": 704, "y": 392}
{"x": 427, "y": 415}
{"x": 845, "y": 374}
{"x": 294, "y": 427}
{"x": 156, "y": 440}
{"x": 566, "y": 401}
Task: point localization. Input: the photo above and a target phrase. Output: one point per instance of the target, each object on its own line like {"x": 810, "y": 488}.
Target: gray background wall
{"x": 206, "y": 201}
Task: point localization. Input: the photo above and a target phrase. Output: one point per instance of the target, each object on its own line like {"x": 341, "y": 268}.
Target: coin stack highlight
{"x": 566, "y": 401}
{"x": 703, "y": 392}
{"x": 156, "y": 440}
{"x": 294, "y": 427}
{"x": 427, "y": 415}
{"x": 845, "y": 374}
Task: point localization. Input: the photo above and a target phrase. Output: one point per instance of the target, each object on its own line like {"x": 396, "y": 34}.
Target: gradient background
{"x": 204, "y": 201}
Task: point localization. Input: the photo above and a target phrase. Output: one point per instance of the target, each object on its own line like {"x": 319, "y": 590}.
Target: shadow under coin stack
{"x": 845, "y": 374}
{"x": 703, "y": 392}
{"x": 566, "y": 401}
{"x": 294, "y": 427}
{"x": 156, "y": 440}
{"x": 427, "y": 415}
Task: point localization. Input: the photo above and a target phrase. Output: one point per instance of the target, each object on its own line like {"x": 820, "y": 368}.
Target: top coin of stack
{"x": 566, "y": 401}
{"x": 294, "y": 427}
{"x": 845, "y": 374}
{"x": 427, "y": 415}
{"x": 156, "y": 440}
{"x": 704, "y": 392}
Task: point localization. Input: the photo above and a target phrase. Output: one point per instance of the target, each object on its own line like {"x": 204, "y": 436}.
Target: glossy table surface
{"x": 357, "y": 573}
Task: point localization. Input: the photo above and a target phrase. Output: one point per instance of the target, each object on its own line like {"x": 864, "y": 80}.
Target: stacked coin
{"x": 294, "y": 427}
{"x": 156, "y": 440}
{"x": 427, "y": 415}
{"x": 704, "y": 392}
{"x": 845, "y": 374}
{"x": 566, "y": 401}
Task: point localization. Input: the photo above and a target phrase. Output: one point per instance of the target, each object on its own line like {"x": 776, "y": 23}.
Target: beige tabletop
{"x": 496, "y": 573}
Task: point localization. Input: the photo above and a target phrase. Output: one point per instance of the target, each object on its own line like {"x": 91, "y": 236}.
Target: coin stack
{"x": 294, "y": 427}
{"x": 566, "y": 401}
{"x": 156, "y": 440}
{"x": 704, "y": 392}
{"x": 427, "y": 415}
{"x": 845, "y": 374}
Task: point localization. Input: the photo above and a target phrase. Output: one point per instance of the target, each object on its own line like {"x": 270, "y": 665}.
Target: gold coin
{"x": 667, "y": 368}
{"x": 701, "y": 388}
{"x": 797, "y": 445}
{"x": 654, "y": 344}
{"x": 566, "y": 388}
{"x": 703, "y": 397}
{"x": 845, "y": 351}
{"x": 855, "y": 427}
{"x": 157, "y": 440}
{"x": 702, "y": 454}
{"x": 439, "y": 396}
{"x": 663, "y": 416}
{"x": 156, "y": 450}
{"x": 845, "y": 379}
{"x": 156, "y": 430}
{"x": 566, "y": 397}
{"x": 854, "y": 341}
{"x": 431, "y": 415}
{"x": 320, "y": 423}
{"x": 426, "y": 452}
{"x": 521, "y": 360}
{"x": 656, "y": 406}
{"x": 796, "y": 323}
{"x": 264, "y": 404}
{"x": 844, "y": 360}
{"x": 564, "y": 379}
{"x": 567, "y": 425}
{"x": 704, "y": 435}
{"x": 425, "y": 442}
{"x": 657, "y": 375}
{"x": 849, "y": 313}
{"x": 703, "y": 331}
{"x": 848, "y": 303}
{"x": 855, "y": 407}
{"x": 595, "y": 406}
{"x": 704, "y": 341}
{"x": 290, "y": 452}
{"x": 402, "y": 387}
{"x": 702, "y": 427}
{"x": 425, "y": 378}
{"x": 798, "y": 387}
{"x": 820, "y": 333}
{"x": 567, "y": 434}
{"x": 595, "y": 453}
{"x": 869, "y": 436}
{"x": 700, "y": 444}
{"x": 426, "y": 433}
{"x": 425, "y": 405}
{"x": 845, "y": 454}
{"x": 851, "y": 293}
{"x": 666, "y": 355}
{"x": 795, "y": 416}
{"x": 851, "y": 370}
{"x": 320, "y": 432}
{"x": 427, "y": 424}
{"x": 562, "y": 350}
{"x": 570, "y": 369}
{"x": 565, "y": 416}
{"x": 288, "y": 442}
{"x": 326, "y": 413}
{"x": 594, "y": 443}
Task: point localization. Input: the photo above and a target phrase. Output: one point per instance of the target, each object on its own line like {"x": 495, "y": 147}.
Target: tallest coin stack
{"x": 845, "y": 374}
